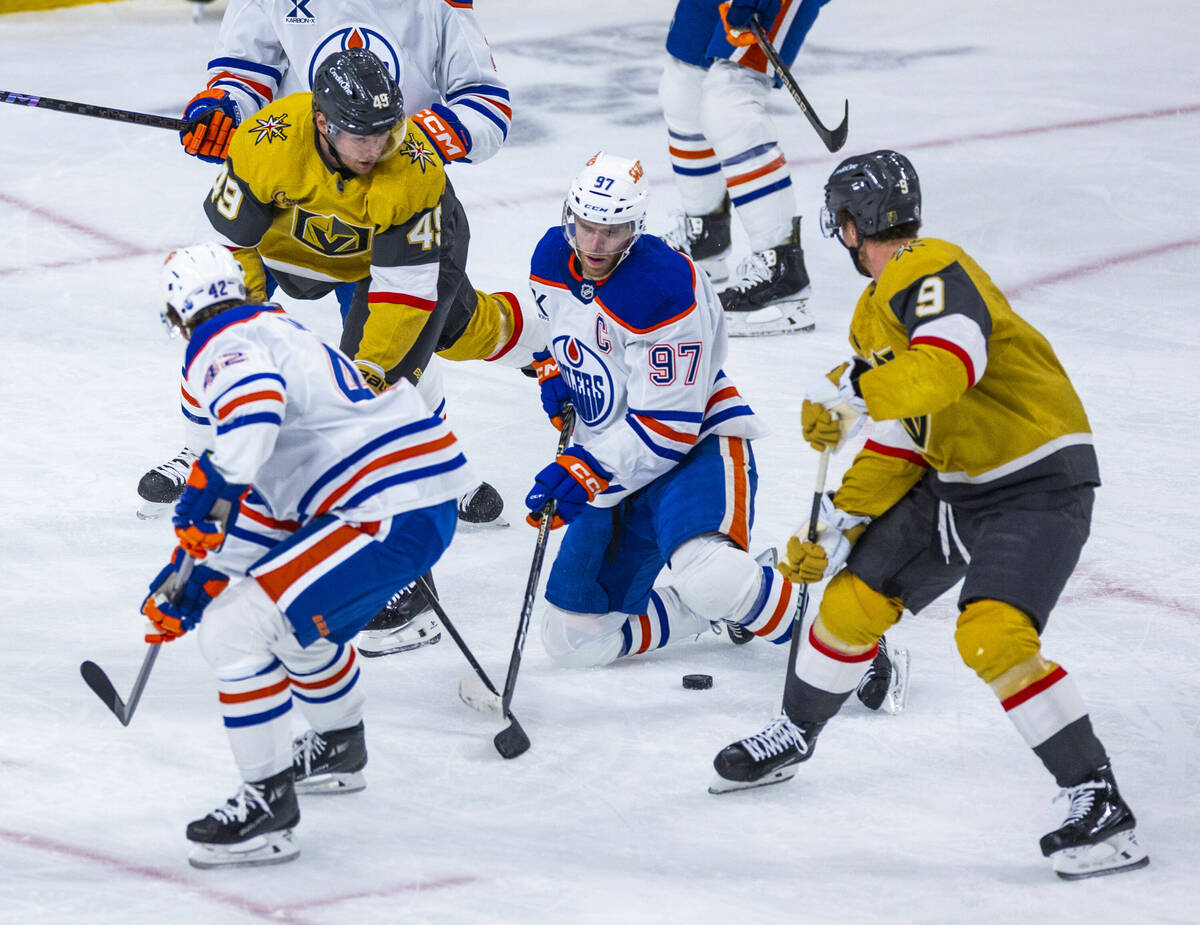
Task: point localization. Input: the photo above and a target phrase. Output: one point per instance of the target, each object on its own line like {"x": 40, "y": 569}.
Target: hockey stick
{"x": 97, "y": 680}
{"x": 498, "y": 704}
{"x": 100, "y": 112}
{"x": 833, "y": 139}
{"x": 515, "y": 741}
{"x": 802, "y": 606}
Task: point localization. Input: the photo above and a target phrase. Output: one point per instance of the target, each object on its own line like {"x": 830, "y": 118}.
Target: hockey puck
{"x": 697, "y": 682}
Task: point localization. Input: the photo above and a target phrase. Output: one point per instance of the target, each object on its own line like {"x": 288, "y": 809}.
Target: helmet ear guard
{"x": 879, "y": 191}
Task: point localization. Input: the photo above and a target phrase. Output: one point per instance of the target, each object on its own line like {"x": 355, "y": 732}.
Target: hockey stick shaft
{"x": 535, "y": 571}
{"x": 99, "y": 112}
{"x": 454, "y": 634}
{"x": 510, "y": 741}
{"x": 802, "y": 606}
{"x": 95, "y": 677}
{"x": 833, "y": 140}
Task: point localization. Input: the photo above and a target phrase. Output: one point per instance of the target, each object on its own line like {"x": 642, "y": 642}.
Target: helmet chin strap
{"x": 854, "y": 257}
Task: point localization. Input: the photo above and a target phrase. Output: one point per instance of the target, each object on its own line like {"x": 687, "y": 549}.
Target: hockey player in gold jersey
{"x": 334, "y": 187}
{"x": 980, "y": 468}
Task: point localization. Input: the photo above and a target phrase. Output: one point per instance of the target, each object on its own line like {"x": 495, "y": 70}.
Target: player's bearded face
{"x": 600, "y": 247}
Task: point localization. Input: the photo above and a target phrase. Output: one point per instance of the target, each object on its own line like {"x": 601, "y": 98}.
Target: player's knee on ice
{"x": 716, "y": 579}
{"x": 582, "y": 640}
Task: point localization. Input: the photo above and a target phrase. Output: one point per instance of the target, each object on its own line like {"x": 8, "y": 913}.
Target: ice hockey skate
{"x": 1097, "y": 837}
{"x": 161, "y": 487}
{"x": 885, "y": 683}
{"x": 704, "y": 238}
{"x": 330, "y": 762}
{"x": 480, "y": 508}
{"x": 771, "y": 293}
{"x": 768, "y": 757}
{"x": 406, "y": 622}
{"x": 253, "y": 828}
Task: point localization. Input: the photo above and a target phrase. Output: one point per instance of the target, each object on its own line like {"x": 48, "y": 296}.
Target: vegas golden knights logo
{"x": 329, "y": 235}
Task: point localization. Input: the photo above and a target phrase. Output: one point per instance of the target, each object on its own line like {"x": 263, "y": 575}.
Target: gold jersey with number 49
{"x": 276, "y": 194}
{"x": 974, "y": 390}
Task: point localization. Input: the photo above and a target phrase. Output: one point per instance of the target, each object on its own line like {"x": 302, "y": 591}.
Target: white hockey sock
{"x": 325, "y": 685}
{"x": 771, "y": 616}
{"x": 666, "y": 620}
{"x": 1045, "y": 707}
{"x": 257, "y": 715}
{"x": 827, "y": 669}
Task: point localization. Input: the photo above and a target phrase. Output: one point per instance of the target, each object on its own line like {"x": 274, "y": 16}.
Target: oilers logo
{"x": 357, "y": 37}
{"x": 587, "y": 377}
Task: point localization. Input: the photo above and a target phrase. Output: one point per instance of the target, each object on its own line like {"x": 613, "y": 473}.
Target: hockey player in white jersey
{"x": 662, "y": 468}
{"x": 315, "y": 496}
{"x": 435, "y": 49}
{"x": 725, "y": 152}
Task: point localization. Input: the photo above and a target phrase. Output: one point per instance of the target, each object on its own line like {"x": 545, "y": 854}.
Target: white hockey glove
{"x": 808, "y": 562}
{"x": 833, "y": 408}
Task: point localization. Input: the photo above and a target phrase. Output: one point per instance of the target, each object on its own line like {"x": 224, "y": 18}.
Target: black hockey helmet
{"x": 880, "y": 190}
{"x": 356, "y": 93}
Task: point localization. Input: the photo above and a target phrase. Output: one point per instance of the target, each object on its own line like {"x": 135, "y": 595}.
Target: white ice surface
{"x": 1056, "y": 141}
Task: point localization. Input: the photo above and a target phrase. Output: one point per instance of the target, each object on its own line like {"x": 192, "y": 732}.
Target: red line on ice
{"x": 285, "y": 914}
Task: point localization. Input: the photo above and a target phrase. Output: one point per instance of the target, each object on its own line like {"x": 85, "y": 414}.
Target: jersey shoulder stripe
{"x": 206, "y": 331}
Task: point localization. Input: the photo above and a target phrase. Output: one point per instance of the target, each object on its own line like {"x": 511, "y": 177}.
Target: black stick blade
{"x": 511, "y": 741}
{"x": 97, "y": 680}
{"x": 837, "y": 137}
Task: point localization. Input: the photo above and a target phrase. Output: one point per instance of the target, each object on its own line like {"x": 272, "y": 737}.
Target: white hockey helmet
{"x": 611, "y": 191}
{"x": 198, "y": 277}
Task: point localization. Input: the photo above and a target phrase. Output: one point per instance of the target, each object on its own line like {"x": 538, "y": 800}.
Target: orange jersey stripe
{"x": 664, "y": 431}
{"x": 246, "y": 399}
{"x": 720, "y": 396}
{"x": 276, "y": 582}
{"x": 431, "y": 447}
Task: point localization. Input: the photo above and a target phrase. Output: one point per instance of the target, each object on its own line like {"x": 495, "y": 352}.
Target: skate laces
{"x": 780, "y": 735}
{"x": 753, "y": 271}
{"x": 680, "y": 236}
{"x": 237, "y": 809}
{"x": 1082, "y": 798}
{"x": 307, "y": 747}
{"x": 179, "y": 467}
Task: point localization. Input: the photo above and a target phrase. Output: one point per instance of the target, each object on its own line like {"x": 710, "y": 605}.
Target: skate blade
{"x": 330, "y": 784}
{"x": 272, "y": 848}
{"x": 152, "y": 510}
{"x": 422, "y": 630}
{"x": 475, "y": 694}
{"x": 470, "y": 526}
{"x": 897, "y": 693}
{"x": 722, "y": 785}
{"x": 789, "y": 317}
{"x": 1114, "y": 855}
